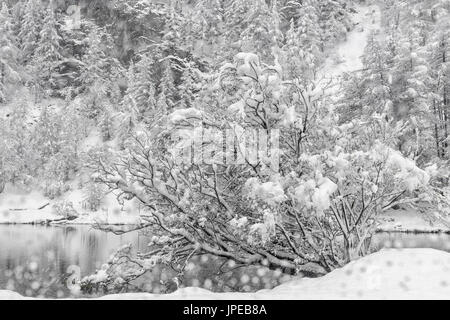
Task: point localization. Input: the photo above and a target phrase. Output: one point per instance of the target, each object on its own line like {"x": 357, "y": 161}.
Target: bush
{"x": 65, "y": 209}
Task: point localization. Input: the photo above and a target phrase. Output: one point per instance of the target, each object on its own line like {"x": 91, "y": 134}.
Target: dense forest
{"x": 134, "y": 73}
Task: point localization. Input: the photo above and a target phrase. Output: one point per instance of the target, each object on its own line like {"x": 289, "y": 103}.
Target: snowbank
{"x": 23, "y": 207}
{"x": 388, "y": 274}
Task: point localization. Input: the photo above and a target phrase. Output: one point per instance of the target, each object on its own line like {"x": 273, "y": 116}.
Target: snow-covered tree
{"x": 48, "y": 52}
{"x": 100, "y": 72}
{"x": 30, "y": 29}
{"x": 314, "y": 213}
{"x": 8, "y": 53}
{"x": 17, "y": 155}
{"x": 253, "y": 26}
{"x": 439, "y": 55}
{"x": 166, "y": 88}
{"x": 141, "y": 92}
{"x": 333, "y": 19}
{"x": 303, "y": 60}
{"x": 186, "y": 88}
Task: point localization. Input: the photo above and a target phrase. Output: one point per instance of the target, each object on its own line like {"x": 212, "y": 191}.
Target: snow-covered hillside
{"x": 346, "y": 56}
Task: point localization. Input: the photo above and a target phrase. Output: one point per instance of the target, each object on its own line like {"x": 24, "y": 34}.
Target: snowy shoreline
{"x": 45, "y": 218}
{"x": 394, "y": 221}
{"x": 32, "y": 207}
{"x": 388, "y": 274}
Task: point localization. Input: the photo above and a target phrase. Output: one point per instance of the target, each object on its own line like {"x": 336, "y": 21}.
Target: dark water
{"x": 36, "y": 260}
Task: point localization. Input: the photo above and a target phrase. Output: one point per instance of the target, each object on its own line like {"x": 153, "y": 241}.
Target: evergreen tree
{"x": 253, "y": 26}
{"x": 186, "y": 89}
{"x": 333, "y": 20}
{"x": 299, "y": 62}
{"x": 308, "y": 28}
{"x": 30, "y": 29}
{"x": 48, "y": 53}
{"x": 166, "y": 97}
{"x": 377, "y": 78}
{"x": 143, "y": 87}
{"x": 8, "y": 53}
{"x": 210, "y": 15}
{"x": 439, "y": 61}
{"x": 100, "y": 72}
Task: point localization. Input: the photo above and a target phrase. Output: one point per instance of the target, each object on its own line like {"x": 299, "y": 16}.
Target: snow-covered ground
{"x": 32, "y": 207}
{"x": 388, "y": 274}
{"x": 346, "y": 57}
{"x": 408, "y": 220}
{"x": 348, "y": 53}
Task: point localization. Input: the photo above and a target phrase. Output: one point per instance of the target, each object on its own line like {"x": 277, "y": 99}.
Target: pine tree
{"x": 253, "y": 26}
{"x": 376, "y": 78}
{"x": 144, "y": 87}
{"x": 166, "y": 97}
{"x": 16, "y": 160}
{"x": 30, "y": 29}
{"x": 94, "y": 60}
{"x": 333, "y": 20}
{"x": 308, "y": 28}
{"x": 106, "y": 125}
{"x": 439, "y": 62}
{"x": 186, "y": 89}
{"x": 48, "y": 55}
{"x": 297, "y": 59}
{"x": 409, "y": 76}
{"x": 47, "y": 133}
{"x": 8, "y": 52}
{"x": 100, "y": 72}
{"x": 161, "y": 104}
{"x": 210, "y": 16}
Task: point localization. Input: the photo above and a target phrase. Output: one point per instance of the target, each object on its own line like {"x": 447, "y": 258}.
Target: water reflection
{"x": 34, "y": 260}
{"x": 43, "y": 254}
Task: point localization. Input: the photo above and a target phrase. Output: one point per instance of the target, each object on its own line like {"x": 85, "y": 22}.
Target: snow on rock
{"x": 388, "y": 274}
{"x": 185, "y": 114}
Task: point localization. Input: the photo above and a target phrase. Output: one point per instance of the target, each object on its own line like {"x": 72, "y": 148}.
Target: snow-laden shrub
{"x": 314, "y": 212}
{"x": 65, "y": 209}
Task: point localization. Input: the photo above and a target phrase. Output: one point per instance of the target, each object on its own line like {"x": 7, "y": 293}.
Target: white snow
{"x": 388, "y": 274}
{"x": 349, "y": 52}
{"x": 269, "y": 192}
{"x": 185, "y": 114}
{"x": 22, "y": 207}
{"x": 409, "y": 220}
